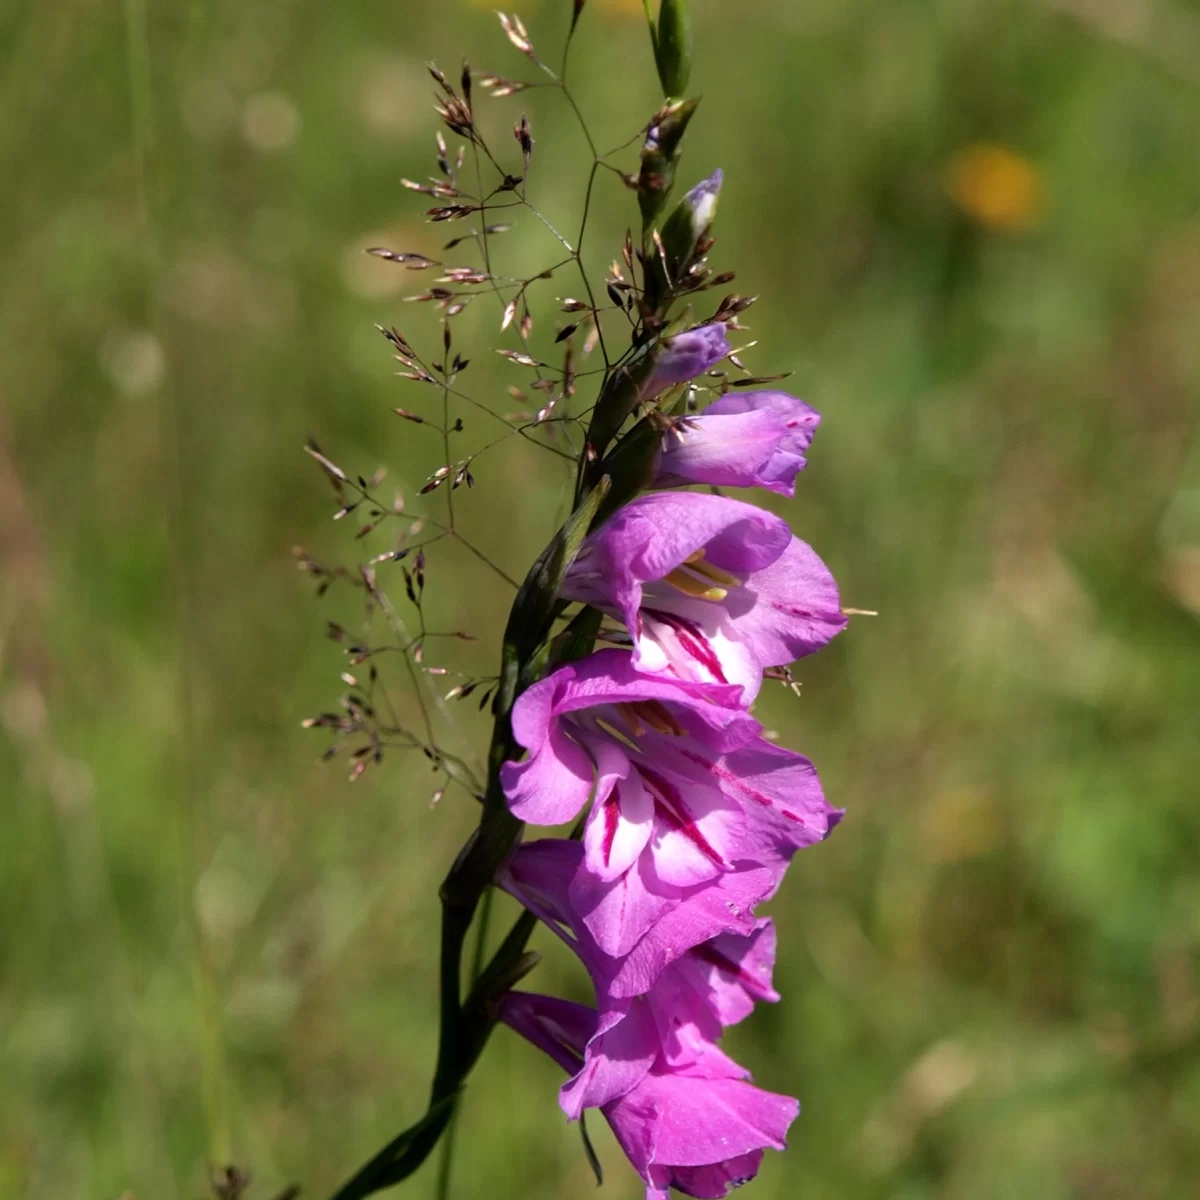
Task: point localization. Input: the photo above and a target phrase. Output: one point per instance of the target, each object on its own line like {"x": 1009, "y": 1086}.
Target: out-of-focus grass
{"x": 974, "y": 225}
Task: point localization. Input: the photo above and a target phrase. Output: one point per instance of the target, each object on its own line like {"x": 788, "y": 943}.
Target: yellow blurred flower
{"x": 996, "y": 186}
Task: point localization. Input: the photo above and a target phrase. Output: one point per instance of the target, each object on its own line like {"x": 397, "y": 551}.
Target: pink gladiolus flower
{"x": 686, "y": 788}
{"x": 699, "y": 969}
{"x": 711, "y": 589}
{"x": 700, "y": 1128}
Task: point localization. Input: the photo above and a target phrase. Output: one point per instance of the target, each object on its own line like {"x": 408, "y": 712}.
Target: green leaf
{"x": 590, "y": 1150}
{"x": 631, "y": 464}
{"x": 577, "y": 639}
{"x": 380, "y": 1171}
{"x": 533, "y": 609}
{"x": 673, "y": 46}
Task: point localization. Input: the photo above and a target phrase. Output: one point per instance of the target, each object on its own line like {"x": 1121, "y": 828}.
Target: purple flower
{"x": 749, "y": 439}
{"x": 686, "y": 789}
{"x": 698, "y": 970}
{"x": 700, "y": 1129}
{"x": 681, "y": 358}
{"x": 712, "y": 589}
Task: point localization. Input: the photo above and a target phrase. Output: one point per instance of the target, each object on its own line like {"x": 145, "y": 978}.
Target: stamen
{"x": 629, "y": 715}
{"x": 620, "y": 735}
{"x": 659, "y": 717}
{"x": 690, "y": 586}
{"x": 714, "y": 573}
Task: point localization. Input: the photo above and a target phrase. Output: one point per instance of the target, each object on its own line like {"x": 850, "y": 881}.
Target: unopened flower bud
{"x": 660, "y": 153}
{"x": 682, "y": 243}
{"x": 681, "y": 358}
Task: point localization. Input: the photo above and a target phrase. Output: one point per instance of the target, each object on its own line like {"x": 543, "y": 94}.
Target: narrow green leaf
{"x": 534, "y": 606}
{"x": 673, "y": 46}
{"x": 372, "y": 1175}
{"x": 590, "y": 1150}
{"x": 578, "y": 638}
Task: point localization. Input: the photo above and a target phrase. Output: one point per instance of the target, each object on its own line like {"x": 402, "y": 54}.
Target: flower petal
{"x": 559, "y": 1027}
{"x": 737, "y": 450}
{"x": 618, "y": 1058}
{"x": 620, "y": 823}
{"x": 697, "y": 829}
{"x": 681, "y": 358}
{"x": 780, "y": 794}
{"x": 617, "y": 913}
{"x": 788, "y": 609}
{"x": 716, "y": 1180}
{"x": 650, "y": 537}
{"x": 698, "y": 646}
{"x": 722, "y": 906}
{"x": 552, "y": 785}
{"x": 734, "y": 972}
{"x": 698, "y": 1122}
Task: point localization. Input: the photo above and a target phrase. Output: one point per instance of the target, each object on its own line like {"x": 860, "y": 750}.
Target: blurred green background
{"x": 975, "y": 226}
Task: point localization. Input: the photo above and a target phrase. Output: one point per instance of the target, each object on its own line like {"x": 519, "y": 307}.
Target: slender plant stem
{"x": 442, "y": 1190}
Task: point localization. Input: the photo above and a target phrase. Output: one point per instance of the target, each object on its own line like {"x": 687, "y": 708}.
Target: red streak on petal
{"x": 727, "y": 966}
{"x": 670, "y": 806}
{"x": 612, "y": 819}
{"x": 791, "y": 610}
{"x": 694, "y": 643}
{"x": 731, "y": 779}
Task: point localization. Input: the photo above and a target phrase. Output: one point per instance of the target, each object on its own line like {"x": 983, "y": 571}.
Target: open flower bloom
{"x": 700, "y": 1128}
{"x": 744, "y": 439}
{"x": 700, "y": 969}
{"x": 679, "y": 359}
{"x": 686, "y": 788}
{"x": 711, "y": 589}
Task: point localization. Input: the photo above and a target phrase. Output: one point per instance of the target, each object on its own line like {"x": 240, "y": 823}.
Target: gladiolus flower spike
{"x": 633, "y": 653}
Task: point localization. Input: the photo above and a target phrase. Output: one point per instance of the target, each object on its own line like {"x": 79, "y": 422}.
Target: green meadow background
{"x": 975, "y": 229}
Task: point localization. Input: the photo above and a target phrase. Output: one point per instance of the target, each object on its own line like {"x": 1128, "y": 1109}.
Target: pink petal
{"x": 723, "y": 906}
{"x": 619, "y": 826}
{"x": 618, "y": 913}
{"x": 697, "y": 829}
{"x": 792, "y": 607}
{"x": 552, "y": 785}
{"x": 618, "y": 1058}
{"x": 698, "y": 1123}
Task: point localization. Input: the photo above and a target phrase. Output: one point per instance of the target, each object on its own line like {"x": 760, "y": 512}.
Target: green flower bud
{"x": 690, "y": 219}
{"x": 660, "y": 154}
{"x": 681, "y": 233}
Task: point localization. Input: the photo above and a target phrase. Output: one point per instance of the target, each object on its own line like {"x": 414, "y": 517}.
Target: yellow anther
{"x": 658, "y": 717}
{"x": 714, "y": 573}
{"x": 629, "y": 713}
{"x": 689, "y": 585}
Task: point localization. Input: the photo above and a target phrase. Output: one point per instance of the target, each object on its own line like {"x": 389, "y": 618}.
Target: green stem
{"x": 465, "y": 1028}
{"x": 442, "y": 1189}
